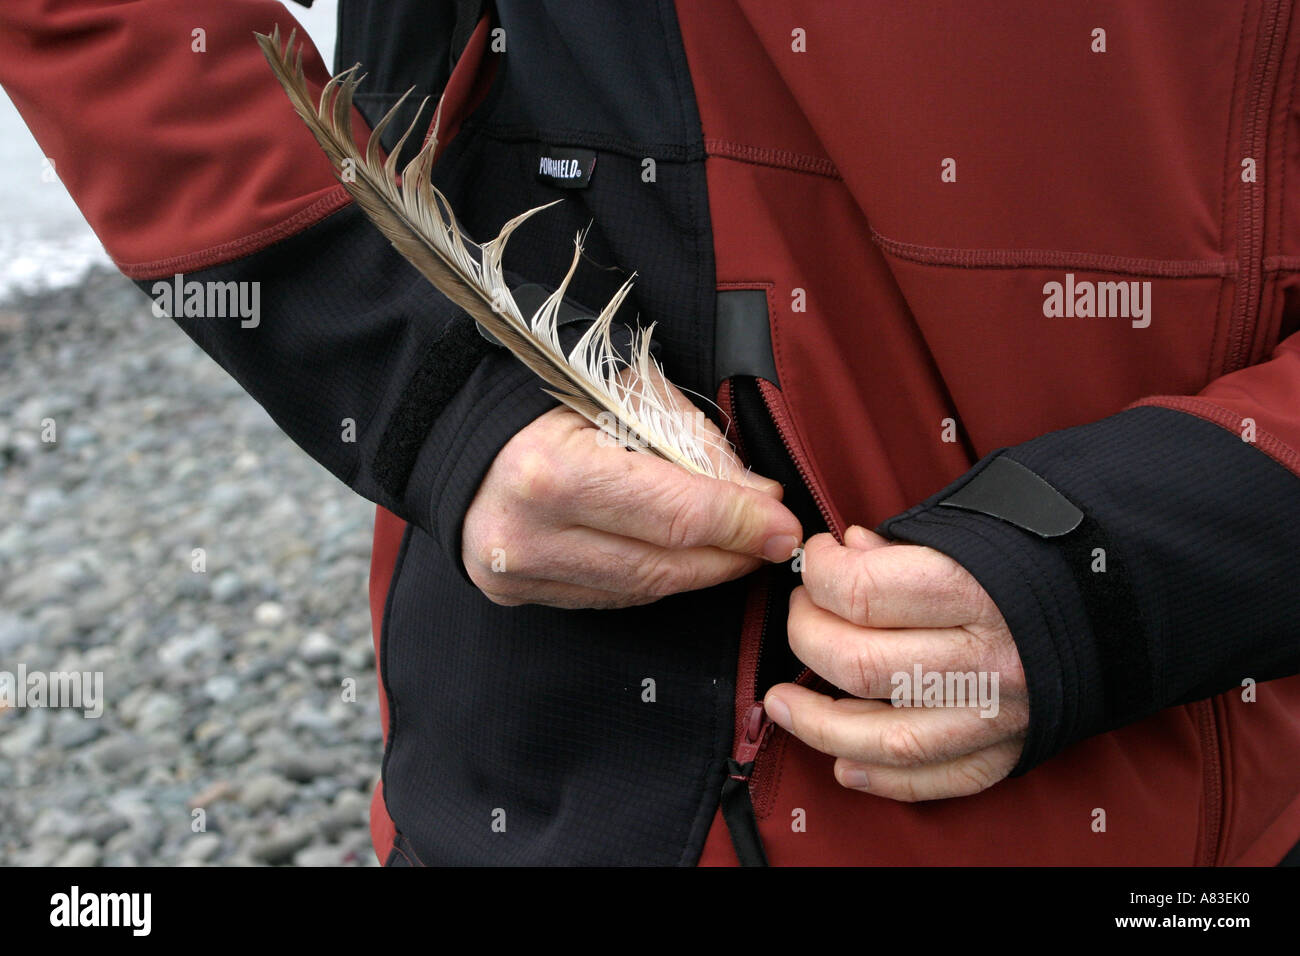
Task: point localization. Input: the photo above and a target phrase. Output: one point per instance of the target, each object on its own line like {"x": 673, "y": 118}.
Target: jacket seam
{"x": 1223, "y": 740}
{"x": 1008, "y": 258}
{"x": 330, "y": 202}
{"x": 1266, "y": 442}
{"x": 517, "y": 133}
{"x": 774, "y": 157}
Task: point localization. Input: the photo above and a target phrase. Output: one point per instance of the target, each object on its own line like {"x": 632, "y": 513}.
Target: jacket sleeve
{"x": 1142, "y": 561}
{"x": 169, "y": 130}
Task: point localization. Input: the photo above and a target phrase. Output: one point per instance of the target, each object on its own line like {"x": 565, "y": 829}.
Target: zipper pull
{"x": 758, "y": 726}
{"x": 736, "y": 805}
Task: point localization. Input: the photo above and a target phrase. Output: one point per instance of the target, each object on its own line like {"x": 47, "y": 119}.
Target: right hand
{"x": 566, "y": 520}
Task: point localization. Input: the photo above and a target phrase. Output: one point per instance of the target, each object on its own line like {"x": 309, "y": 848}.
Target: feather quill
{"x": 630, "y": 400}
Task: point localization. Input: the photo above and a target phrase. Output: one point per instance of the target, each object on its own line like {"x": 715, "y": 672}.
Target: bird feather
{"x": 627, "y": 398}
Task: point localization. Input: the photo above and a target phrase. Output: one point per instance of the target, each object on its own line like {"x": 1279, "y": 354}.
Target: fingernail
{"x": 779, "y": 712}
{"x": 760, "y": 483}
{"x": 855, "y": 779}
{"x": 855, "y": 531}
{"x": 780, "y": 547}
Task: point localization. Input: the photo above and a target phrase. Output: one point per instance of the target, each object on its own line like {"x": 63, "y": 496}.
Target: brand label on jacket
{"x": 565, "y": 167}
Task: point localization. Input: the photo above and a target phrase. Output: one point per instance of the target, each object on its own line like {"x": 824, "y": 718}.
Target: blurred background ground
{"x": 226, "y": 689}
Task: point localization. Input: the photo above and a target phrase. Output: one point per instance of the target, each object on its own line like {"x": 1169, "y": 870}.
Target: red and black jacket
{"x": 775, "y": 173}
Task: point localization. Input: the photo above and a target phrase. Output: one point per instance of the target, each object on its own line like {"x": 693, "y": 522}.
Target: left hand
{"x": 871, "y": 610}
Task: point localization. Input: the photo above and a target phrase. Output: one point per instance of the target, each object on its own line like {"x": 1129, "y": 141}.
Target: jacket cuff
{"x": 500, "y": 397}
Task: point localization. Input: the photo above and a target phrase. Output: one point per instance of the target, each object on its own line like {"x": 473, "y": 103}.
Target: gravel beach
{"x": 240, "y": 717}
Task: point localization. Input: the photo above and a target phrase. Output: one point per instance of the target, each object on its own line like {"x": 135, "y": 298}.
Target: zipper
{"x": 1255, "y": 123}
{"x": 780, "y": 417}
{"x": 1245, "y": 319}
{"x": 752, "y": 725}
{"x": 736, "y": 800}
{"x": 1207, "y": 720}
{"x": 742, "y": 788}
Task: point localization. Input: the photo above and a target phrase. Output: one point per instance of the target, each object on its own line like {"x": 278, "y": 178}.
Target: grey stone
{"x": 159, "y": 710}
{"x": 269, "y": 614}
{"x": 279, "y": 848}
{"x": 201, "y": 848}
{"x": 231, "y": 748}
{"x": 227, "y": 586}
{"x": 268, "y": 791}
{"x": 304, "y": 767}
{"x": 84, "y": 853}
{"x": 15, "y": 631}
{"x": 320, "y": 856}
{"x": 221, "y": 688}
{"x": 103, "y": 827}
{"x": 42, "y": 504}
{"x": 318, "y": 648}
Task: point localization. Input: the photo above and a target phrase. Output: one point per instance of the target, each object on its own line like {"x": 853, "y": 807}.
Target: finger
{"x": 652, "y": 500}
{"x": 868, "y": 662}
{"x": 895, "y": 586}
{"x": 875, "y": 732}
{"x": 519, "y": 591}
{"x": 598, "y": 559}
{"x": 860, "y": 539}
{"x": 963, "y": 777}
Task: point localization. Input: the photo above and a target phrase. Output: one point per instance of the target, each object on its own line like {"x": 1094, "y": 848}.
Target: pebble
{"x": 269, "y": 614}
{"x": 232, "y": 748}
{"x": 221, "y": 688}
{"x": 159, "y": 710}
{"x": 278, "y": 848}
{"x": 84, "y": 853}
{"x": 200, "y": 848}
{"x": 227, "y": 586}
{"x": 269, "y": 791}
{"x": 318, "y": 648}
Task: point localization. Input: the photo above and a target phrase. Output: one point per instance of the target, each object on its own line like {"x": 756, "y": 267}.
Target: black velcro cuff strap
{"x": 443, "y": 369}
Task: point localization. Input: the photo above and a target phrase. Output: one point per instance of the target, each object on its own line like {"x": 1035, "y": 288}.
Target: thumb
{"x": 752, "y": 479}
{"x": 860, "y": 539}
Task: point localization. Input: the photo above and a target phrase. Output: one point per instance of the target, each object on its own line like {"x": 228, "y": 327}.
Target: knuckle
{"x": 660, "y": 576}
{"x": 901, "y": 745}
{"x": 532, "y": 473}
{"x": 969, "y": 649}
{"x": 868, "y": 670}
{"x": 974, "y": 776}
{"x": 683, "y": 512}
{"x": 971, "y": 593}
{"x": 504, "y": 600}
{"x": 490, "y": 585}
{"x": 862, "y": 591}
{"x": 960, "y": 585}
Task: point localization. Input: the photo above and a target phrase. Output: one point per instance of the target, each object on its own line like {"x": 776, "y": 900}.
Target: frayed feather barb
{"x": 627, "y": 398}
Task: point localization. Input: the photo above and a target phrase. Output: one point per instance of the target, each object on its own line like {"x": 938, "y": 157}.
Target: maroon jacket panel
{"x": 906, "y": 185}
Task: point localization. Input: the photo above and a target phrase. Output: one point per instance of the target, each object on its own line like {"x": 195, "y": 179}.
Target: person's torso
{"x": 971, "y": 224}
